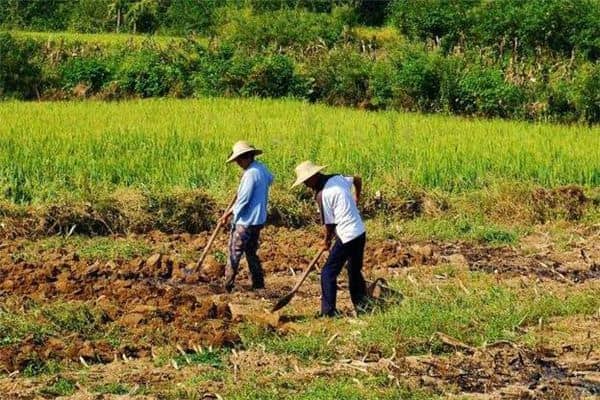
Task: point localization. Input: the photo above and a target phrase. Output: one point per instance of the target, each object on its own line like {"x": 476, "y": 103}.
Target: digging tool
{"x": 213, "y": 236}
{"x": 288, "y": 297}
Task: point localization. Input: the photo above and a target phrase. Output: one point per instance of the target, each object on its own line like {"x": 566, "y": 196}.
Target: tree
{"x": 142, "y": 16}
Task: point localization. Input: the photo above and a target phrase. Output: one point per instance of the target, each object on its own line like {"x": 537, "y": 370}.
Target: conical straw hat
{"x": 305, "y": 170}
{"x": 240, "y": 148}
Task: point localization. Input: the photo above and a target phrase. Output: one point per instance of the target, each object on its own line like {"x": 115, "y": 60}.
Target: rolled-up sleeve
{"x": 244, "y": 193}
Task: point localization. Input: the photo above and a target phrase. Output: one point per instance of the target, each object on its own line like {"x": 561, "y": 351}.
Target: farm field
{"x": 490, "y": 230}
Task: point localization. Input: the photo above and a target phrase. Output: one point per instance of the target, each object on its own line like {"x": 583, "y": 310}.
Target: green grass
{"x": 483, "y": 313}
{"x": 61, "y": 387}
{"x": 111, "y": 388}
{"x": 305, "y": 347}
{"x": 83, "y": 148}
{"x": 214, "y": 358}
{"x": 53, "y": 319}
{"x": 327, "y": 389}
{"x": 478, "y": 311}
{"x": 87, "y": 248}
{"x": 105, "y": 39}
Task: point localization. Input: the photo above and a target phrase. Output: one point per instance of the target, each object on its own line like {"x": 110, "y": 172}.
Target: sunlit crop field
{"x": 48, "y": 149}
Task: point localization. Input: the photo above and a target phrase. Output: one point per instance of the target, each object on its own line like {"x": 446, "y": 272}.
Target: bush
{"x": 39, "y": 15}
{"x": 588, "y": 99}
{"x": 185, "y": 16}
{"x": 554, "y": 24}
{"x": 224, "y": 73}
{"x": 562, "y": 102}
{"x": 433, "y": 19}
{"x": 272, "y": 76}
{"x": 93, "y": 72}
{"x": 90, "y": 16}
{"x": 148, "y": 73}
{"x": 340, "y": 77}
{"x": 483, "y": 91}
{"x": 213, "y": 65}
{"x": 284, "y": 28}
{"x": 19, "y": 75}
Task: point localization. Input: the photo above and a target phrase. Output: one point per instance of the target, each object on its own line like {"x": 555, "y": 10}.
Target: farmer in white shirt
{"x": 249, "y": 214}
{"x": 341, "y": 218}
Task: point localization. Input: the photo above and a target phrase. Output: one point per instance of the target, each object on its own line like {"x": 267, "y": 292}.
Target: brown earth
{"x": 165, "y": 293}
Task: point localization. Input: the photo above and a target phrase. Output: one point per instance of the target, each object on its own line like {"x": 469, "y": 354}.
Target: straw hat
{"x": 305, "y": 170}
{"x": 240, "y": 148}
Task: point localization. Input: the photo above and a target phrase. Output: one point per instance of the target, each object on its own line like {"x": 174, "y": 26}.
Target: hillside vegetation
{"x": 535, "y": 60}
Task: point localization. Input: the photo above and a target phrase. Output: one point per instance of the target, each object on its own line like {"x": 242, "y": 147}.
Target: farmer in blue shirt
{"x": 249, "y": 214}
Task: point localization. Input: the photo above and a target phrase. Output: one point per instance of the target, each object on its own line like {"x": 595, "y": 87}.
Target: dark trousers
{"x": 352, "y": 252}
{"x": 244, "y": 240}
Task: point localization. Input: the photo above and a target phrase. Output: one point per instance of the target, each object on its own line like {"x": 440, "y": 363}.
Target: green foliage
{"x": 34, "y": 14}
{"x": 483, "y": 91}
{"x": 19, "y": 75}
{"x": 90, "y": 16}
{"x": 272, "y": 76}
{"x": 433, "y": 19}
{"x": 484, "y": 313}
{"x": 554, "y": 24}
{"x": 61, "y": 387}
{"x": 191, "y": 16}
{"x": 112, "y": 388}
{"x": 214, "y": 358}
{"x": 589, "y": 93}
{"x": 339, "y": 77}
{"x": 148, "y": 73}
{"x": 283, "y": 28}
{"x": 94, "y": 72}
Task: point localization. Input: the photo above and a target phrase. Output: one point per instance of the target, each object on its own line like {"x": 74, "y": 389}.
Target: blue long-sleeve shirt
{"x": 250, "y": 207}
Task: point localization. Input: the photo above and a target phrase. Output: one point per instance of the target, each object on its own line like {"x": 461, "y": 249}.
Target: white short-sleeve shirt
{"x": 338, "y": 208}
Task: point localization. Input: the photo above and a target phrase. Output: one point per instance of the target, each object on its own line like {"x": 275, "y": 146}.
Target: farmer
{"x": 341, "y": 218}
{"x": 249, "y": 214}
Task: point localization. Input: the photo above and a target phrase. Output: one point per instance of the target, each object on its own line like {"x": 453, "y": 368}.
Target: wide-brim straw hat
{"x": 242, "y": 147}
{"x": 305, "y": 170}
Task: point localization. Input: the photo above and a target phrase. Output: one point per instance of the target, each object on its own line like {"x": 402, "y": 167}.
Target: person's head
{"x": 243, "y": 153}
{"x": 308, "y": 173}
{"x": 245, "y": 160}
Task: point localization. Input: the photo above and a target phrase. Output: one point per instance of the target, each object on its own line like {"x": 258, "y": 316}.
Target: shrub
{"x": 483, "y": 91}
{"x": 562, "y": 101}
{"x": 93, "y": 72}
{"x": 90, "y": 16}
{"x": 554, "y": 24}
{"x": 185, "y": 16}
{"x": 213, "y": 65}
{"x": 340, "y": 77}
{"x": 19, "y": 75}
{"x": 148, "y": 73}
{"x": 588, "y": 97}
{"x": 417, "y": 81}
{"x": 433, "y": 19}
{"x": 283, "y": 28}
{"x": 271, "y": 76}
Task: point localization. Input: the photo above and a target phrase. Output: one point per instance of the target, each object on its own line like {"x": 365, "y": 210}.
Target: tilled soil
{"x": 165, "y": 293}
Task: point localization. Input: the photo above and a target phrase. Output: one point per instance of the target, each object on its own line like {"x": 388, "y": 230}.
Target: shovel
{"x": 288, "y": 297}
{"x": 213, "y": 236}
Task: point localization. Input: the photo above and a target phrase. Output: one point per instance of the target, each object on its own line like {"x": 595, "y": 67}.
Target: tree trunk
{"x": 118, "y": 19}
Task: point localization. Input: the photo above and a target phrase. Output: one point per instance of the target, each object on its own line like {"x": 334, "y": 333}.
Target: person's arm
{"x": 243, "y": 196}
{"x": 357, "y": 181}
{"x": 227, "y": 213}
{"x": 328, "y": 234}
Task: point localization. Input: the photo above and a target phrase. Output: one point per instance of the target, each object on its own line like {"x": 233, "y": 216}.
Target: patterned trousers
{"x": 244, "y": 240}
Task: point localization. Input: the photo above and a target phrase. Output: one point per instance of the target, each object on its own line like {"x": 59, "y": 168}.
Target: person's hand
{"x": 326, "y": 244}
{"x": 356, "y": 199}
{"x": 224, "y": 218}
